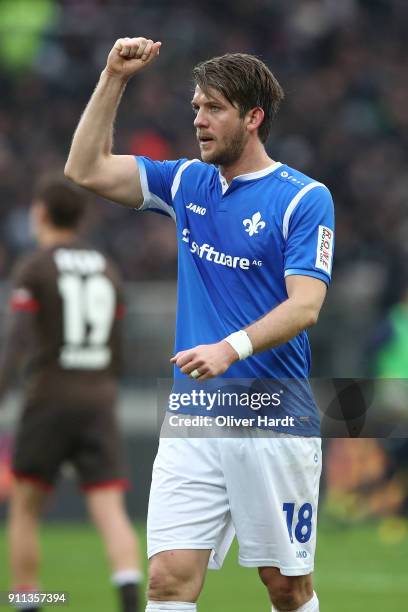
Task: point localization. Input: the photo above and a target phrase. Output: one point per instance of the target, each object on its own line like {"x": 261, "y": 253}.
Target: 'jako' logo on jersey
{"x": 195, "y": 208}
{"x": 301, "y": 554}
{"x": 254, "y": 224}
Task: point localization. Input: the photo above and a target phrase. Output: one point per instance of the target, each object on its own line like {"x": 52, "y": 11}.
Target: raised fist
{"x": 129, "y": 55}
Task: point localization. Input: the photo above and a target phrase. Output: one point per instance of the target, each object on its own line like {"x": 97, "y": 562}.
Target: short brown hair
{"x": 64, "y": 201}
{"x": 246, "y": 82}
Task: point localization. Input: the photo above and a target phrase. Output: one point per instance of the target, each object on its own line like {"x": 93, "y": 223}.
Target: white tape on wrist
{"x": 241, "y": 343}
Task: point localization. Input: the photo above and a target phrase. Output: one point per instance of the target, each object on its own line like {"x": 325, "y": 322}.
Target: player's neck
{"x": 50, "y": 237}
{"x": 253, "y": 159}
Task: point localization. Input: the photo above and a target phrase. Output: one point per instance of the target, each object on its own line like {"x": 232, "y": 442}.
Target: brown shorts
{"x": 87, "y": 438}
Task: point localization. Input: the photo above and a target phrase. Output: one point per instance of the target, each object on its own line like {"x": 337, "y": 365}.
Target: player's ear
{"x": 254, "y": 118}
{"x": 38, "y": 213}
{"x": 34, "y": 219}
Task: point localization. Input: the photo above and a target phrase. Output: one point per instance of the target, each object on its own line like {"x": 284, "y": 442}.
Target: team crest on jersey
{"x": 195, "y": 208}
{"x": 254, "y": 224}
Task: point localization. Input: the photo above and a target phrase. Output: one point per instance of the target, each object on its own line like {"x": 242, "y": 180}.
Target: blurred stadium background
{"x": 345, "y": 122}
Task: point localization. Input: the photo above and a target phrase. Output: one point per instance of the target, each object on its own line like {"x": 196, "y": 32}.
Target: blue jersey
{"x": 236, "y": 244}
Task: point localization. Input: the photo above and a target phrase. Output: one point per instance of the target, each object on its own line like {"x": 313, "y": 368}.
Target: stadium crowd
{"x": 344, "y": 120}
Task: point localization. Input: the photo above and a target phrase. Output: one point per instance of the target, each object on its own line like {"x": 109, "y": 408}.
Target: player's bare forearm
{"x": 299, "y": 312}
{"x": 277, "y": 327}
{"x": 280, "y": 325}
{"x": 91, "y": 162}
{"x": 18, "y": 339}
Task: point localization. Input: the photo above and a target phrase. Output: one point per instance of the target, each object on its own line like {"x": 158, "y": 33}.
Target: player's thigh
{"x": 188, "y": 504}
{"x": 97, "y": 451}
{"x": 273, "y": 487}
{"x": 41, "y": 444}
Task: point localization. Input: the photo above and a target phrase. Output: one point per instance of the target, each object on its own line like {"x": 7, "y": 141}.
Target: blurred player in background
{"x": 66, "y": 304}
{"x": 253, "y": 235}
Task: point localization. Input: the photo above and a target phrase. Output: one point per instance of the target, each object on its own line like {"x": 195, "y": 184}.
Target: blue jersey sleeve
{"x": 310, "y": 235}
{"x": 159, "y": 180}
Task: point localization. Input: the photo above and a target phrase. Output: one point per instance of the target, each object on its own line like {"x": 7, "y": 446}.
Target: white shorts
{"x": 262, "y": 489}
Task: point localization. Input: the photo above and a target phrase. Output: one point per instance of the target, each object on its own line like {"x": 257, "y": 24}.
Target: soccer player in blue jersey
{"x": 255, "y": 244}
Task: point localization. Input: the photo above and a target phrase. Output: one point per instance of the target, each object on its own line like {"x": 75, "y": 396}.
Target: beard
{"x": 229, "y": 151}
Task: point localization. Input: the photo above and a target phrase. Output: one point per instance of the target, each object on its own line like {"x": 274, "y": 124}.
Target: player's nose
{"x": 200, "y": 119}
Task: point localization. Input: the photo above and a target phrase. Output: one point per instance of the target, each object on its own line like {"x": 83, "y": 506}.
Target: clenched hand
{"x": 129, "y": 55}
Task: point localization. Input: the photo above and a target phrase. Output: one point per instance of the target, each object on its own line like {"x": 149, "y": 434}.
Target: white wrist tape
{"x": 241, "y": 343}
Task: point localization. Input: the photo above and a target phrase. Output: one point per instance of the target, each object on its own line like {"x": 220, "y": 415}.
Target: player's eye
{"x": 195, "y": 109}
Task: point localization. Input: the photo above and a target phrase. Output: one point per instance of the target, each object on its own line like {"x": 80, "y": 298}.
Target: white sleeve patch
{"x": 324, "y": 251}
{"x": 150, "y": 200}
{"x": 177, "y": 178}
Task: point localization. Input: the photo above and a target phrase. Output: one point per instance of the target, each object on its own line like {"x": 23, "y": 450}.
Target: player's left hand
{"x": 208, "y": 359}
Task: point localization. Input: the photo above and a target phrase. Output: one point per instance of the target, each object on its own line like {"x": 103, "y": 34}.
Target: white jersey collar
{"x": 250, "y": 176}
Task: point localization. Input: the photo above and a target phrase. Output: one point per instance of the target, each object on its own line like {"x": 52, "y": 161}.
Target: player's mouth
{"x": 205, "y": 139}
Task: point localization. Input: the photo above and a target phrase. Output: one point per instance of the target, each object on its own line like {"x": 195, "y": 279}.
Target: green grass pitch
{"x": 358, "y": 569}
